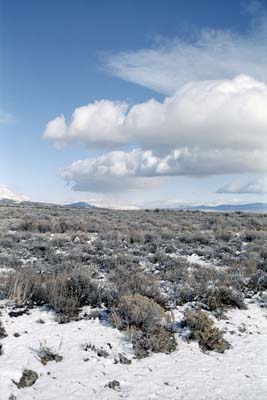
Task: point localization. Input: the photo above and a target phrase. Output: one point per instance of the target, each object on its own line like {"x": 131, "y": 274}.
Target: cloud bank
{"x": 212, "y": 121}
{"x": 206, "y": 55}
{"x": 124, "y": 170}
{"x": 205, "y": 128}
{"x": 256, "y": 186}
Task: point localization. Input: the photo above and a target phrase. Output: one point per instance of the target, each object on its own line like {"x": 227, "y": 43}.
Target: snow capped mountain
{"x": 7, "y": 194}
{"x": 81, "y": 204}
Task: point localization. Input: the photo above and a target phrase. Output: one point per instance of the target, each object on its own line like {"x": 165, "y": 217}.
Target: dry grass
{"x": 65, "y": 292}
{"x": 46, "y": 354}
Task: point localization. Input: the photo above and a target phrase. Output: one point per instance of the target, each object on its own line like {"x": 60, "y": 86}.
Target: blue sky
{"x": 57, "y": 56}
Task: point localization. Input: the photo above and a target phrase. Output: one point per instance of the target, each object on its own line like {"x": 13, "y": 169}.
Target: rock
{"x": 242, "y": 328}
{"x": 18, "y": 313}
{"x": 123, "y": 359}
{"x": 29, "y": 377}
{"x": 102, "y": 353}
{"x": 115, "y": 385}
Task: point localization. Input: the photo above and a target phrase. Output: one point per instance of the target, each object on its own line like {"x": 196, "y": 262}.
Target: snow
{"x": 6, "y": 270}
{"x": 92, "y": 237}
{"x": 195, "y": 259}
{"x": 6, "y": 193}
{"x": 187, "y": 373}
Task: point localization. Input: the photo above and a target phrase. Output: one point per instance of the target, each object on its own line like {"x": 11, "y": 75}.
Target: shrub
{"x": 161, "y": 340}
{"x": 139, "y": 312}
{"x": 142, "y": 318}
{"x": 25, "y": 285}
{"x": 203, "y": 330}
{"x": 221, "y": 296}
{"x": 3, "y": 333}
{"x": 67, "y": 292}
{"x": 175, "y": 269}
{"x": 141, "y": 345}
{"x": 158, "y": 341}
{"x": 130, "y": 280}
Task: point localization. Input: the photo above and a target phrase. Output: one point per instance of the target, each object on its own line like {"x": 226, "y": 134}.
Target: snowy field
{"x": 140, "y": 305}
{"x": 187, "y": 373}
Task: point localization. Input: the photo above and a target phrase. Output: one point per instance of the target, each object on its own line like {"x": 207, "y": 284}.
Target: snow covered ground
{"x": 238, "y": 374}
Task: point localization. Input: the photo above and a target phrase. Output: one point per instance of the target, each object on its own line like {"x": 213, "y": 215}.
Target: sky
{"x": 134, "y": 103}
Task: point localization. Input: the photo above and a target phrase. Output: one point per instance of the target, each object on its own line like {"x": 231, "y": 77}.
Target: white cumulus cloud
{"x": 207, "y": 114}
{"x": 97, "y": 124}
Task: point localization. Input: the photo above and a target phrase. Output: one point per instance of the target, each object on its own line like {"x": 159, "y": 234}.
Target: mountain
{"x": 81, "y": 204}
{"x": 250, "y": 207}
{"x": 9, "y": 197}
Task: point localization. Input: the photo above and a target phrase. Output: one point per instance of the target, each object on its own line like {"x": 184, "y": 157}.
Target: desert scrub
{"x": 25, "y": 286}
{"x": 223, "y": 296}
{"x": 202, "y": 329}
{"x": 138, "y": 311}
{"x": 65, "y": 291}
{"x": 142, "y": 319}
{"x": 216, "y": 289}
{"x": 129, "y": 279}
{"x": 159, "y": 340}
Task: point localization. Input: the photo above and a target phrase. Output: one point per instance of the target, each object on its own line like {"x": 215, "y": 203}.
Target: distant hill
{"x": 250, "y": 207}
{"x": 8, "y": 197}
{"x": 7, "y": 202}
{"x": 81, "y": 204}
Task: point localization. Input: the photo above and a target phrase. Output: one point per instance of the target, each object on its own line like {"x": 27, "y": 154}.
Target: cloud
{"x": 206, "y": 55}
{"x": 212, "y": 121}
{"x": 110, "y": 172}
{"x": 98, "y": 124}
{"x": 207, "y": 114}
{"x": 255, "y": 186}
{"x": 120, "y": 170}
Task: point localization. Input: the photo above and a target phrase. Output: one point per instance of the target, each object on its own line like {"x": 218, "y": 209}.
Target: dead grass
{"x": 65, "y": 292}
{"x": 46, "y": 354}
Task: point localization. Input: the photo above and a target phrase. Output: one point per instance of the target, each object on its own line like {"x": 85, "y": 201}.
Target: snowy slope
{"x": 187, "y": 373}
{"x": 6, "y": 193}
